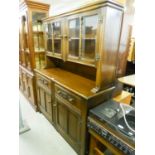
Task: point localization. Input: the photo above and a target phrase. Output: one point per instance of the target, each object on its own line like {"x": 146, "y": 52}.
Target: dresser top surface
{"x": 77, "y": 84}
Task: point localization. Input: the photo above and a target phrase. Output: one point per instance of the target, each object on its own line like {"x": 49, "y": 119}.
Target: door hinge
{"x": 100, "y": 19}
{"x": 97, "y": 57}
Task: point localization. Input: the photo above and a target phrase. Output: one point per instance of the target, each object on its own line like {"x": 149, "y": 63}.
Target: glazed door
{"x": 73, "y": 37}
{"x": 24, "y": 37}
{"x": 90, "y": 30}
{"x": 48, "y": 37}
{"x": 57, "y": 27}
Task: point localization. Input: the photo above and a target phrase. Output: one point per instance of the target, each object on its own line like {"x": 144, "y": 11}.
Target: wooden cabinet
{"x": 31, "y": 46}
{"x": 31, "y": 34}
{"x": 71, "y": 99}
{"x": 45, "y": 103}
{"x": 87, "y": 36}
{"x": 26, "y": 82}
{"x": 54, "y": 39}
{"x": 69, "y": 119}
{"x": 45, "y": 97}
{"x": 81, "y": 60}
{"x": 74, "y": 38}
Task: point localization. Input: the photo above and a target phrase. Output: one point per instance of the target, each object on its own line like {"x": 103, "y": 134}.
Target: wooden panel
{"x": 74, "y": 127}
{"x": 76, "y": 83}
{"x": 61, "y": 116}
{"x": 106, "y": 68}
{"x": 48, "y": 104}
{"x": 42, "y": 98}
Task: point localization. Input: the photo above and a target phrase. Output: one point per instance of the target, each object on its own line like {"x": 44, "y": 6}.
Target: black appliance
{"x": 115, "y": 122}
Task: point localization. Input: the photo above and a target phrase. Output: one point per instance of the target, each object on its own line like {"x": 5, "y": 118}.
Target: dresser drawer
{"x": 43, "y": 82}
{"x": 68, "y": 96}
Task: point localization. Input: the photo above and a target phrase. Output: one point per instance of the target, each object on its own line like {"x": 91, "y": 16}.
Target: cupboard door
{"x": 74, "y": 37}
{"x": 61, "y": 116}
{"x": 74, "y": 127}
{"x": 89, "y": 36}
{"x": 42, "y": 99}
{"x": 45, "y": 103}
{"x": 48, "y": 104}
{"x": 57, "y": 37}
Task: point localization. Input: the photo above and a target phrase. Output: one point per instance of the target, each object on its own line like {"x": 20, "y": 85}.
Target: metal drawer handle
{"x": 41, "y": 80}
{"x": 45, "y": 82}
{"x": 70, "y": 99}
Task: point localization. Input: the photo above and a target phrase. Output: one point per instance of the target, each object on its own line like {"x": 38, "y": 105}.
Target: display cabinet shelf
{"x": 31, "y": 45}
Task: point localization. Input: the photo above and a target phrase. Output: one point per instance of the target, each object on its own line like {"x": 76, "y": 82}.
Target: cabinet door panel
{"x": 42, "y": 98}
{"x": 48, "y": 32}
{"x": 89, "y": 35}
{"x": 62, "y": 116}
{"x": 74, "y": 127}
{"x": 57, "y": 35}
{"x": 74, "y": 37}
{"x": 48, "y": 104}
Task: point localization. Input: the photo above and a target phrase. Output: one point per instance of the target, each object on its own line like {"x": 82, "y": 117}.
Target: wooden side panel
{"x": 74, "y": 127}
{"x": 111, "y": 27}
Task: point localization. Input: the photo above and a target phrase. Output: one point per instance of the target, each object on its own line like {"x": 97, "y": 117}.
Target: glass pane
{"x": 37, "y": 21}
{"x": 90, "y": 26}
{"x": 74, "y": 26}
{"x": 49, "y": 45}
{"x": 57, "y": 37}
{"x": 57, "y": 28}
{"x": 38, "y": 42}
{"x": 89, "y": 30}
{"x": 48, "y": 30}
{"x": 74, "y": 47}
{"x": 74, "y": 33}
{"x": 88, "y": 48}
{"x": 57, "y": 45}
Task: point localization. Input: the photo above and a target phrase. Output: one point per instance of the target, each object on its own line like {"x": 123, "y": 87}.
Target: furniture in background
{"x": 124, "y": 97}
{"x": 31, "y": 46}
{"x": 129, "y": 85}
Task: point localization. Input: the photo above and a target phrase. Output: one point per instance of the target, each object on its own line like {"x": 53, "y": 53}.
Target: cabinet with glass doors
{"x": 54, "y": 38}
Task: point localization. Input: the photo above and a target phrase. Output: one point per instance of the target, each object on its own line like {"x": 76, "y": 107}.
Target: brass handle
{"x": 65, "y": 36}
{"x": 41, "y": 80}
{"x": 70, "y": 99}
{"x": 54, "y": 105}
{"x": 45, "y": 82}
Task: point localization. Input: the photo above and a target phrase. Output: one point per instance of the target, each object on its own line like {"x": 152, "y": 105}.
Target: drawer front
{"x": 43, "y": 82}
{"x": 68, "y": 97}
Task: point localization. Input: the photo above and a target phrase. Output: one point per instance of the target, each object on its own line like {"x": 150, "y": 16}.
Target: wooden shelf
{"x": 36, "y": 32}
{"x": 77, "y": 84}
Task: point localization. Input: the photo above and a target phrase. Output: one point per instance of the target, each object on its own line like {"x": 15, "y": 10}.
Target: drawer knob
{"x": 70, "y": 99}
{"x": 54, "y": 105}
{"x": 45, "y": 82}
